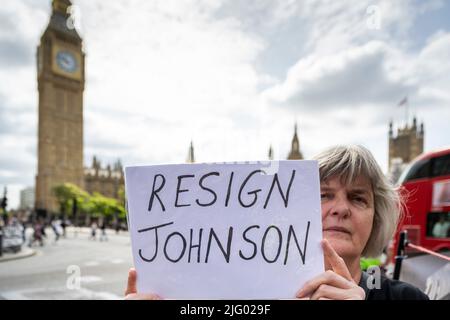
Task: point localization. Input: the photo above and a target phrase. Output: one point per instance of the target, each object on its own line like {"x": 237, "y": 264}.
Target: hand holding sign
{"x": 335, "y": 284}
{"x": 225, "y": 230}
{"x": 131, "y": 291}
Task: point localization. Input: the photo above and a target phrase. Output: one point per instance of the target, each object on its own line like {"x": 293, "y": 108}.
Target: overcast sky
{"x": 233, "y": 76}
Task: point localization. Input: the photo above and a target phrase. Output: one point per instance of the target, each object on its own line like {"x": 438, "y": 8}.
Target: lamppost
{"x": 3, "y": 205}
{"x": 1, "y": 237}
{"x": 74, "y": 215}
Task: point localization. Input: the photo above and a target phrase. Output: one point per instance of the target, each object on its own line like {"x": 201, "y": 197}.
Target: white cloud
{"x": 352, "y": 94}
{"x": 165, "y": 63}
{"x": 160, "y": 73}
{"x": 351, "y": 78}
{"x": 338, "y": 25}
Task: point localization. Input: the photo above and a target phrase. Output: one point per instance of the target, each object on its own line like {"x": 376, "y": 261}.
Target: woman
{"x": 360, "y": 211}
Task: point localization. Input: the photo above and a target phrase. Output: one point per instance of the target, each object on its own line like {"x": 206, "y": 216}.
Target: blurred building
{"x": 404, "y": 146}
{"x": 27, "y": 198}
{"x": 61, "y": 83}
{"x": 270, "y": 153}
{"x": 295, "y": 153}
{"x": 191, "y": 157}
{"x": 396, "y": 169}
{"x": 105, "y": 180}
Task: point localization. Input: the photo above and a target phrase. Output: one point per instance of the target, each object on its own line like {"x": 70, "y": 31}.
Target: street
{"x": 49, "y": 274}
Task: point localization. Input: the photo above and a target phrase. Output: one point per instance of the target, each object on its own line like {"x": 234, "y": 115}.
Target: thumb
{"x": 131, "y": 285}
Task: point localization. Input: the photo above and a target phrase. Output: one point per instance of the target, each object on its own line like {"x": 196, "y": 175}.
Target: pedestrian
{"x": 24, "y": 230}
{"x": 43, "y": 225}
{"x": 103, "y": 235}
{"x": 63, "y": 227}
{"x": 93, "y": 231}
{"x": 117, "y": 227}
{"x": 37, "y": 234}
{"x": 54, "y": 225}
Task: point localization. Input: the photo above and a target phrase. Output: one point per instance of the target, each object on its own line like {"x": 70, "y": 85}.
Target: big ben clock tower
{"x": 60, "y": 61}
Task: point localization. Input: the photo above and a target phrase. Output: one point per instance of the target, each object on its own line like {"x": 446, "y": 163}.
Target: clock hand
{"x": 66, "y": 60}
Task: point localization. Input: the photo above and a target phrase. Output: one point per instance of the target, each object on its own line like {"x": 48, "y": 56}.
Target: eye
{"x": 325, "y": 196}
{"x": 360, "y": 200}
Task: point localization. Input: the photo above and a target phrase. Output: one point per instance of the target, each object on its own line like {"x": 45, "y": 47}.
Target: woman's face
{"x": 347, "y": 215}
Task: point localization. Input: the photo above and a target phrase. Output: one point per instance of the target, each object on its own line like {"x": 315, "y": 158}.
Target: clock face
{"x": 66, "y": 61}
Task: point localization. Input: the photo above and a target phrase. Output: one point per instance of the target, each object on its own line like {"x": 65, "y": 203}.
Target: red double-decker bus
{"x": 426, "y": 186}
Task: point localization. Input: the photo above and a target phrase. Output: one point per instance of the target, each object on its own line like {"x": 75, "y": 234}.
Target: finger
{"x": 333, "y": 293}
{"x": 337, "y": 263}
{"x": 131, "y": 285}
{"x": 142, "y": 296}
{"x": 329, "y": 277}
{"x": 327, "y": 292}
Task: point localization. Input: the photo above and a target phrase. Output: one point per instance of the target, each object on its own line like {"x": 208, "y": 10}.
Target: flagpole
{"x": 407, "y": 113}
{"x": 405, "y": 103}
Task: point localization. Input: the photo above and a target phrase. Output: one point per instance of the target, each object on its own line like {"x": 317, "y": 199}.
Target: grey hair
{"x": 348, "y": 163}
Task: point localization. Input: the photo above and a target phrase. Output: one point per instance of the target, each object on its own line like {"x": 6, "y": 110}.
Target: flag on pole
{"x": 403, "y": 102}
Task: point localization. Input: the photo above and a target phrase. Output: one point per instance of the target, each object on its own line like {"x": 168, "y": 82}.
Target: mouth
{"x": 337, "y": 229}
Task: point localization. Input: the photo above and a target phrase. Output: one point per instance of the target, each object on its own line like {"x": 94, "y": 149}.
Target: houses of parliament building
{"x": 61, "y": 83}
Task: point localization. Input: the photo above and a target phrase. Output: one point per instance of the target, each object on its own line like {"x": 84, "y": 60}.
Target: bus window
{"x": 441, "y": 193}
{"x": 438, "y": 225}
{"x": 441, "y": 166}
{"x": 420, "y": 169}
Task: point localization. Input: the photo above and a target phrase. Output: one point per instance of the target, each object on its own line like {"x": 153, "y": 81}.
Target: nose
{"x": 340, "y": 208}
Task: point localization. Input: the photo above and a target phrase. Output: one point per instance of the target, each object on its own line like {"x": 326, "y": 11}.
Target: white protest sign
{"x": 225, "y": 231}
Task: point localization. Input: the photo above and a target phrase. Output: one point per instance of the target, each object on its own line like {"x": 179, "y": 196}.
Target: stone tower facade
{"x": 61, "y": 79}
{"x": 406, "y": 144}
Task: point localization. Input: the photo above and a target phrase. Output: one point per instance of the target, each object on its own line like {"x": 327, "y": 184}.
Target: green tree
{"x": 121, "y": 195}
{"x": 95, "y": 205}
{"x": 121, "y": 213}
{"x": 66, "y": 194}
{"x": 101, "y": 206}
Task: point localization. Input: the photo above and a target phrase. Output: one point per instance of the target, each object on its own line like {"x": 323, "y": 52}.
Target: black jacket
{"x": 391, "y": 290}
